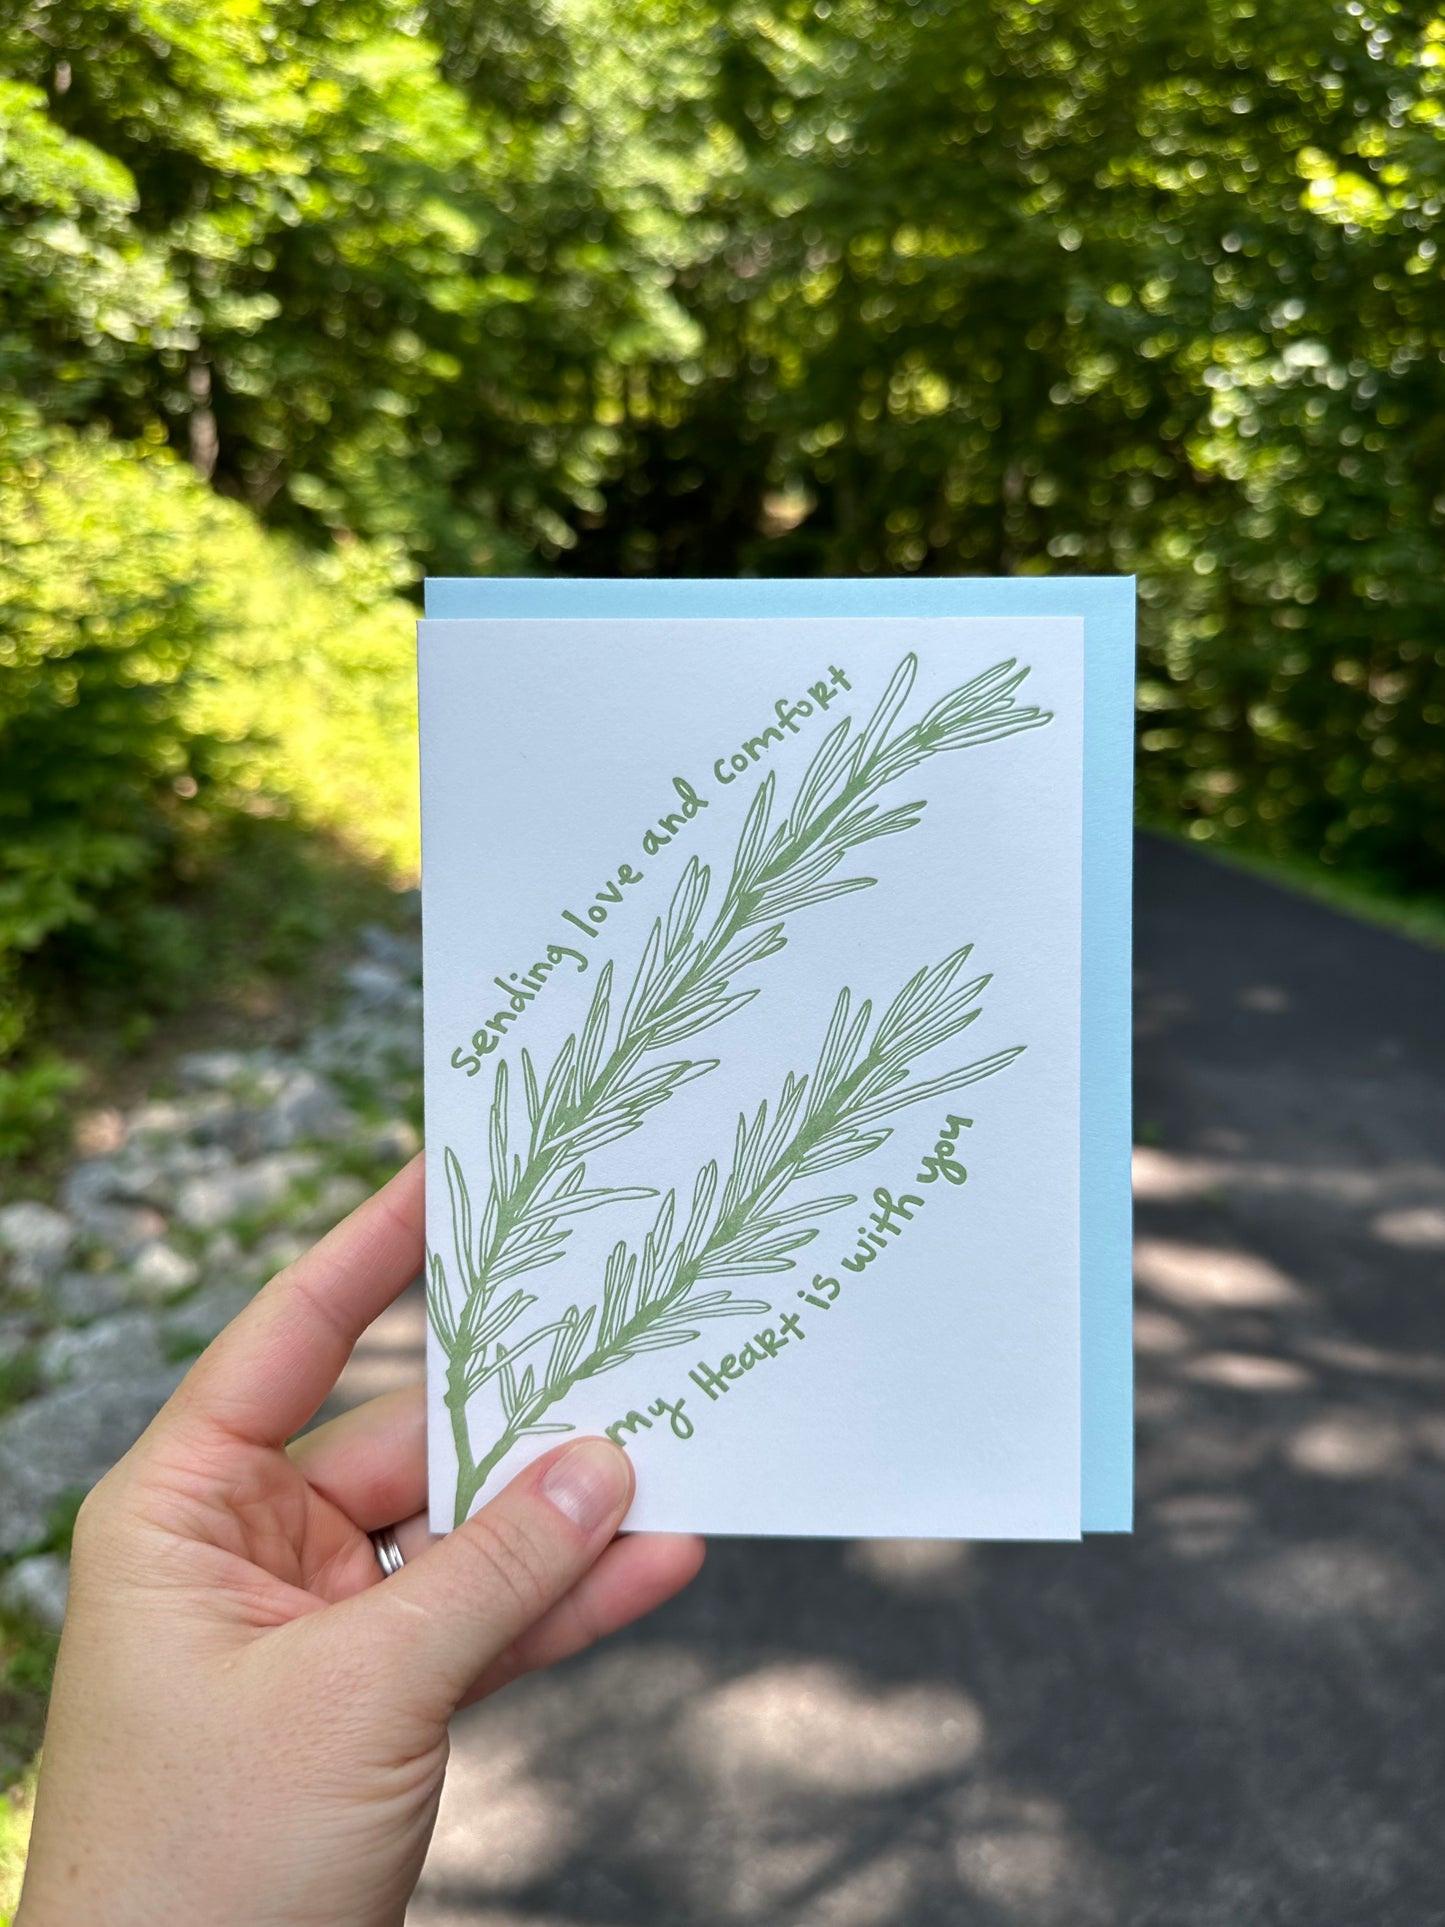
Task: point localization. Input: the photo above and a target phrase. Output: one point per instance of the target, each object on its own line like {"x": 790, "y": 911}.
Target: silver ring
{"x": 388, "y": 1552}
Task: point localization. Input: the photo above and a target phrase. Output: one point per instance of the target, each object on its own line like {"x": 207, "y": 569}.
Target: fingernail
{"x": 588, "y": 1483}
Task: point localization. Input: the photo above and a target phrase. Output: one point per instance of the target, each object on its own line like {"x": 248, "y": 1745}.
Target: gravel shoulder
{"x": 156, "y": 1241}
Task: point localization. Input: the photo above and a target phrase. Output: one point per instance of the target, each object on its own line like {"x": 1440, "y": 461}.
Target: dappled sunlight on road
{"x": 1193, "y": 1276}
{"x": 1420, "y": 1229}
{"x": 915, "y": 1568}
{"x": 1230, "y": 1719}
{"x": 818, "y": 1726}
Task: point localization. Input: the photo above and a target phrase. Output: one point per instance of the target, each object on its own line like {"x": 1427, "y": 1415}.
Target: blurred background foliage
{"x": 303, "y": 299}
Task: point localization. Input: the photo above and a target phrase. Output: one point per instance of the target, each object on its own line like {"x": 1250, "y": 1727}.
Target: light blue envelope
{"x": 1106, "y": 604}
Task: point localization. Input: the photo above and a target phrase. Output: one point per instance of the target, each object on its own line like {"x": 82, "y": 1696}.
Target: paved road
{"x": 1234, "y": 1719}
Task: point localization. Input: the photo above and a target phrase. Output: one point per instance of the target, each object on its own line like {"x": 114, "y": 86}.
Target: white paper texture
{"x": 939, "y": 1393}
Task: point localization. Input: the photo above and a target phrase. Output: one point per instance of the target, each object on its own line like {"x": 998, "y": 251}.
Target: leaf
{"x": 558, "y": 1078}
{"x": 548, "y": 1210}
{"x": 828, "y": 761}
{"x": 787, "y": 905}
{"x": 687, "y": 901}
{"x": 692, "y": 1023}
{"x": 654, "y": 1246}
{"x": 514, "y": 1267}
{"x": 846, "y": 1149}
{"x": 755, "y": 825}
{"x": 896, "y": 1015}
{"x": 974, "y": 735}
{"x": 931, "y": 1027}
{"x": 643, "y": 980}
{"x": 661, "y": 1340}
{"x": 883, "y": 823}
{"x": 594, "y": 1032}
{"x": 461, "y": 1204}
{"x": 830, "y": 1055}
{"x": 723, "y": 1305}
{"x": 949, "y": 1081}
{"x": 998, "y": 681}
{"x": 497, "y": 1135}
{"x": 703, "y": 1192}
{"x": 889, "y": 705}
{"x": 795, "y": 1214}
{"x": 751, "y": 1267}
{"x": 616, "y": 1291}
{"x": 502, "y": 1317}
{"x": 763, "y": 943}
{"x": 438, "y": 1302}
{"x": 508, "y": 1385}
{"x": 532, "y": 1095}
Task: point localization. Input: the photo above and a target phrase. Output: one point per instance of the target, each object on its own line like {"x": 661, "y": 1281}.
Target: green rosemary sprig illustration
{"x": 601, "y": 1085}
{"x": 657, "y": 1297}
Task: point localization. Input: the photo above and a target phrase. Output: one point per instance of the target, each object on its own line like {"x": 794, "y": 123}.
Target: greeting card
{"x": 775, "y": 1112}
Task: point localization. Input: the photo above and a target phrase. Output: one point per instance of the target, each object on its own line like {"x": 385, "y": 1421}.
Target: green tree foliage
{"x": 998, "y": 285}
{"x": 159, "y": 655}
{"x": 694, "y": 286}
{"x": 96, "y": 661}
{"x": 360, "y": 297}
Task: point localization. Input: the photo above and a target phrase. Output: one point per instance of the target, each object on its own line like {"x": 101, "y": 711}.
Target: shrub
{"x": 104, "y": 617}
{"x": 164, "y": 662}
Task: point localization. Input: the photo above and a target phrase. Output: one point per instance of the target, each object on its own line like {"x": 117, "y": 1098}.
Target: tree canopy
{"x": 709, "y": 286}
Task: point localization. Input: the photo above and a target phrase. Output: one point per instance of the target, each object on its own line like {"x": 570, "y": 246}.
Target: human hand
{"x": 249, "y": 1725}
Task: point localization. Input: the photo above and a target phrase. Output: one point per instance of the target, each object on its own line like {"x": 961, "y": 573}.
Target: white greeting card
{"x": 753, "y": 1033}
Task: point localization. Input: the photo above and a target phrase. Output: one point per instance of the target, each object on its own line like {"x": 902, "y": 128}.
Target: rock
{"x": 187, "y": 1160}
{"x": 221, "y": 1120}
{"x": 371, "y": 1046}
{"x": 100, "y": 1133}
{"x": 211, "y": 1199}
{"x": 277, "y": 1250}
{"x": 78, "y": 1296}
{"x": 37, "y": 1589}
{"x": 338, "y": 1195}
{"x": 17, "y": 1334}
{"x": 401, "y": 954}
{"x": 114, "y": 1349}
{"x": 213, "y": 1070}
{"x": 159, "y": 1272}
{"x": 222, "y": 1252}
{"x": 165, "y": 1118}
{"x": 62, "y": 1443}
{"x": 38, "y": 1240}
{"x": 90, "y": 1183}
{"x": 196, "y": 1322}
{"x": 395, "y": 1141}
{"x": 305, "y": 1106}
{"x": 387, "y": 1044}
{"x": 130, "y": 1179}
{"x": 122, "y": 1229}
{"x": 375, "y": 985}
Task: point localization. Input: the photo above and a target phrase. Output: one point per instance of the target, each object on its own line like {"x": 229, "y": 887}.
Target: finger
{"x": 414, "y": 1535}
{"x": 635, "y": 1575}
{"x": 370, "y": 1463}
{"x": 270, "y": 1371}
{"x": 444, "y": 1618}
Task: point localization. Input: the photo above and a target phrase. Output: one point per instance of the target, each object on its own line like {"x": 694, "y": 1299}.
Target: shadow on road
{"x": 1235, "y": 1717}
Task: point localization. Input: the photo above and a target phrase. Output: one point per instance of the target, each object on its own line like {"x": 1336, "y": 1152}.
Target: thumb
{"x": 449, "y": 1613}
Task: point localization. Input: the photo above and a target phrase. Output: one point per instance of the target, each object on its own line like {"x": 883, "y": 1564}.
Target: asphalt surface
{"x": 1235, "y": 1718}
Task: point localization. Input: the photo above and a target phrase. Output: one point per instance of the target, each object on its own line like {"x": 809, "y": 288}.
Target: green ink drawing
{"x": 601, "y": 1085}
{"x": 655, "y": 1298}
